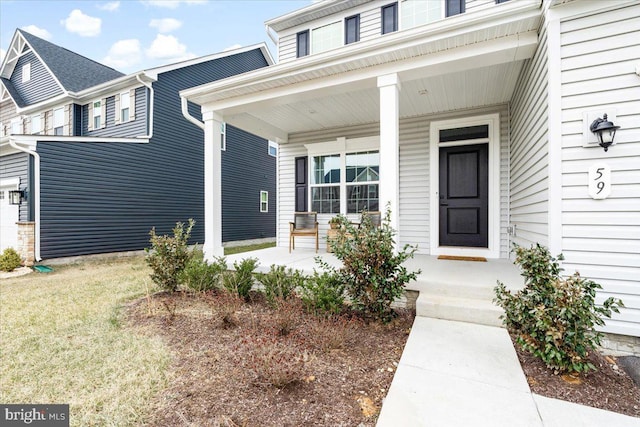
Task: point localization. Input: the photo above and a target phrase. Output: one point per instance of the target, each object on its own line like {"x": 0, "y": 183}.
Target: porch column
{"x": 212, "y": 186}
{"x": 389, "y": 86}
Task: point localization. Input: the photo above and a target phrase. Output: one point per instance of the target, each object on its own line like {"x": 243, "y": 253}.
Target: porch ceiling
{"x": 460, "y": 90}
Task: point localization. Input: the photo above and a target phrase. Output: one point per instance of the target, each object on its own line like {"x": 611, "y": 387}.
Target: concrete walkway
{"x": 463, "y": 374}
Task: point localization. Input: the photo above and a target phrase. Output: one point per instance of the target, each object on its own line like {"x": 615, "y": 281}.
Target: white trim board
{"x": 493, "y": 121}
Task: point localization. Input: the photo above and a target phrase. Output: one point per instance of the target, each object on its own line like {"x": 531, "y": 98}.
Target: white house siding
{"x": 287, "y": 48}
{"x": 7, "y": 112}
{"x": 414, "y": 176}
{"x": 370, "y": 24}
{"x": 529, "y": 151}
{"x": 601, "y": 238}
{"x": 473, "y": 5}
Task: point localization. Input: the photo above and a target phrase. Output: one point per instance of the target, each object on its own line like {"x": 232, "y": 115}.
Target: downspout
{"x": 150, "y": 87}
{"x": 185, "y": 112}
{"x": 36, "y": 195}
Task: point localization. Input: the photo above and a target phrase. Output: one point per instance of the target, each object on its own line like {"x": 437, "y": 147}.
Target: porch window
{"x": 352, "y": 29}
{"x": 390, "y": 18}
{"x": 302, "y": 44}
{"x": 325, "y": 184}
{"x": 416, "y": 12}
{"x": 326, "y": 37}
{"x": 58, "y": 121}
{"x": 362, "y": 176}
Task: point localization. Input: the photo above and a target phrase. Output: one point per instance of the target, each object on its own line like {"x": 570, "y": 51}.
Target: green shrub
{"x": 199, "y": 276}
{"x": 554, "y": 317}
{"x": 279, "y": 283}
{"x": 168, "y": 256}
{"x": 323, "y": 294}
{"x": 240, "y": 281}
{"x": 10, "y": 260}
{"x": 372, "y": 270}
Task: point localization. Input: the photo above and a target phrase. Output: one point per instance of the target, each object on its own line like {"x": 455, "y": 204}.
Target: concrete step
{"x": 456, "y": 288}
{"x": 470, "y": 310}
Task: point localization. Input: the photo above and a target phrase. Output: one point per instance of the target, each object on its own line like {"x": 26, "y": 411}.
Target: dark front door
{"x": 464, "y": 196}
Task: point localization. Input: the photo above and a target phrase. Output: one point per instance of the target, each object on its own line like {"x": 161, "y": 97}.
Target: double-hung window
{"x": 454, "y": 7}
{"x": 302, "y": 44}
{"x": 351, "y": 178}
{"x": 58, "y": 121}
{"x": 264, "y": 201}
{"x": 352, "y": 29}
{"x": 124, "y": 107}
{"x": 97, "y": 114}
{"x": 389, "y": 18}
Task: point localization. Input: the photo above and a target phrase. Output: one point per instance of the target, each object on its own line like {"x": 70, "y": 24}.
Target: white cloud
{"x": 3, "y": 53}
{"x": 232, "y": 47}
{"x": 111, "y": 6}
{"x": 123, "y": 54}
{"x": 172, "y": 4}
{"x": 84, "y": 25}
{"x": 165, "y": 25}
{"x": 168, "y": 48}
{"x": 38, "y": 32}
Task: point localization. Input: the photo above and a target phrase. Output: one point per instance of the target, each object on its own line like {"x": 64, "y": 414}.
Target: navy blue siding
{"x": 247, "y": 169}
{"x": 41, "y": 86}
{"x": 137, "y": 127}
{"x": 105, "y": 197}
{"x": 17, "y": 166}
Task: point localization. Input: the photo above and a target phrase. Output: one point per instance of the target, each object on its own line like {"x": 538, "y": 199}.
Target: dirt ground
{"x": 244, "y": 364}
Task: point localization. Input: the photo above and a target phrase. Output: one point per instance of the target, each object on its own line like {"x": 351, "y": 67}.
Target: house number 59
{"x": 599, "y": 181}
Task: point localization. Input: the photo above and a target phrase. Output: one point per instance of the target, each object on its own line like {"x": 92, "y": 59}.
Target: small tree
{"x": 372, "y": 270}
{"x": 9, "y": 260}
{"x": 168, "y": 255}
{"x": 554, "y": 317}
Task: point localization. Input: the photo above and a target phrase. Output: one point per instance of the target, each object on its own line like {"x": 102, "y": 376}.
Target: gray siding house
{"x": 100, "y": 157}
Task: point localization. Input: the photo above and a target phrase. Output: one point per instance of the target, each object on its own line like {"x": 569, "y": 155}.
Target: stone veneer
{"x": 620, "y": 345}
{"x": 27, "y": 242}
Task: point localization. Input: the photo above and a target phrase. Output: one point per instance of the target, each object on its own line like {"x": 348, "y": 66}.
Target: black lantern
{"x": 15, "y": 197}
{"x": 604, "y": 130}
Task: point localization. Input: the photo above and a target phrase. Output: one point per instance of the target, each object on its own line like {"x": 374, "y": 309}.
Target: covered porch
{"x": 448, "y": 289}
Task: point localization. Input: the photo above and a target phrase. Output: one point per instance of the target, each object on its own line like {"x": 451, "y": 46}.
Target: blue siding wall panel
{"x": 17, "y": 166}
{"x": 41, "y": 86}
{"x": 105, "y": 197}
{"x": 247, "y": 169}
{"x": 137, "y": 127}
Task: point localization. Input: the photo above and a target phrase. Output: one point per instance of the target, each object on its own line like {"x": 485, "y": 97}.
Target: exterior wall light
{"x": 604, "y": 130}
{"x": 15, "y": 197}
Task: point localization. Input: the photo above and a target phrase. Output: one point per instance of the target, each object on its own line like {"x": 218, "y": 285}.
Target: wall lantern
{"x": 604, "y": 130}
{"x": 15, "y": 197}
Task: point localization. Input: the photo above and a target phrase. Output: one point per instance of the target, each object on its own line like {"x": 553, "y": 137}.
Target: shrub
{"x": 287, "y": 316}
{"x": 323, "y": 293}
{"x": 554, "y": 317}
{"x": 279, "y": 283}
{"x": 272, "y": 362}
{"x": 224, "y": 306}
{"x": 10, "y": 260}
{"x": 199, "y": 276}
{"x": 372, "y": 271}
{"x": 169, "y": 255}
{"x": 335, "y": 332}
{"x": 240, "y": 281}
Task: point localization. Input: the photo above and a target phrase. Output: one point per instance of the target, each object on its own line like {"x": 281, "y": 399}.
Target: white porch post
{"x": 212, "y": 186}
{"x": 389, "y": 86}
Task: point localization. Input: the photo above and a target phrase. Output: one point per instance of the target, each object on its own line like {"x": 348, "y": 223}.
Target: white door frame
{"x": 14, "y": 183}
{"x": 493, "y": 121}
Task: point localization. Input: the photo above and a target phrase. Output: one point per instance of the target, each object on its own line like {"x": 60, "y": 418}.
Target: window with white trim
{"x": 97, "y": 114}
{"x": 326, "y": 37}
{"x": 273, "y": 149}
{"x": 58, "y": 121}
{"x": 352, "y": 29}
{"x": 124, "y": 107}
{"x": 418, "y": 12}
{"x": 264, "y": 201}
{"x": 16, "y": 126}
{"x": 354, "y": 174}
{"x": 26, "y": 72}
{"x": 223, "y": 136}
{"x": 389, "y": 18}
{"x": 36, "y": 124}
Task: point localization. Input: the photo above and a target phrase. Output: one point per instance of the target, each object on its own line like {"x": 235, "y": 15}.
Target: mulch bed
{"x": 342, "y": 368}
{"x": 607, "y": 388}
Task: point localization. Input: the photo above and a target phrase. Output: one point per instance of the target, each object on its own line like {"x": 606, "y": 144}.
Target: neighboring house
{"x": 101, "y": 157}
{"x": 475, "y": 113}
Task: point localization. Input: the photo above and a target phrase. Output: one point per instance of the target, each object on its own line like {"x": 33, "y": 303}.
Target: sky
{"x": 134, "y": 35}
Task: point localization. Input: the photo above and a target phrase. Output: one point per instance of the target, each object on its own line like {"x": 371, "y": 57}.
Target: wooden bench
{"x": 304, "y": 224}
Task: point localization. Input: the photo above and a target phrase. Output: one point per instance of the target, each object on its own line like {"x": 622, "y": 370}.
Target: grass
{"x": 62, "y": 341}
{"x": 247, "y": 248}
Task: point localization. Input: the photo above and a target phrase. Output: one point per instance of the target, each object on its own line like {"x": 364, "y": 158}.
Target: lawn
{"x": 62, "y": 340}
